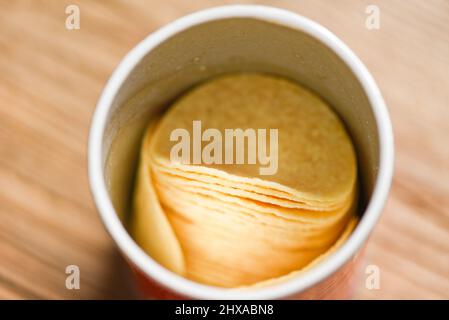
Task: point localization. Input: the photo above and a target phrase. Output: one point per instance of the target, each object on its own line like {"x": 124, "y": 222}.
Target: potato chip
{"x": 217, "y": 219}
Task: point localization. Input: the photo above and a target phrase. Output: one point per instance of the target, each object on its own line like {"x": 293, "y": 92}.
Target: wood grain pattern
{"x": 50, "y": 79}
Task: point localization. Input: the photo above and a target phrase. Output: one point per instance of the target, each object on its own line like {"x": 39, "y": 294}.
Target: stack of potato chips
{"x": 227, "y": 225}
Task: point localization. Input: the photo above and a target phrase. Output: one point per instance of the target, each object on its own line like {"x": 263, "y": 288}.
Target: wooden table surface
{"x": 51, "y": 78}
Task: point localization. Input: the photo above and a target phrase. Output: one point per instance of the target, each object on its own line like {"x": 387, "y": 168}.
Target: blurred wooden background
{"x": 51, "y": 78}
